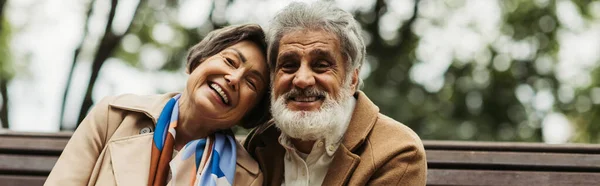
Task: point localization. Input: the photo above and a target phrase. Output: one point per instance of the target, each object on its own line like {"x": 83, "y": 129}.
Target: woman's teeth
{"x": 221, "y": 92}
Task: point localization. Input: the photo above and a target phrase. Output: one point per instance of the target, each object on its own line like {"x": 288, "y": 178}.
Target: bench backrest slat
{"x": 486, "y": 177}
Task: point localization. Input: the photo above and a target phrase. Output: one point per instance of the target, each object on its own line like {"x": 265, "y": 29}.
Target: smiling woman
{"x": 137, "y": 140}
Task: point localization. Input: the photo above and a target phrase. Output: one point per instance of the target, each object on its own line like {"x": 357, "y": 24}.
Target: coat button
{"x": 145, "y": 130}
{"x": 331, "y": 148}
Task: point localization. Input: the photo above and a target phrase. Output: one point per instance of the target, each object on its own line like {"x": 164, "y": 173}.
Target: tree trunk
{"x": 75, "y": 56}
{"x": 3, "y": 81}
{"x": 2, "y": 3}
{"x": 108, "y": 44}
{"x": 4, "y": 108}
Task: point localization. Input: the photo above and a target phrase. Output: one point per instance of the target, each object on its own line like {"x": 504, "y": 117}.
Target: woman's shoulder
{"x": 109, "y": 112}
{"x": 139, "y": 101}
{"x": 148, "y": 104}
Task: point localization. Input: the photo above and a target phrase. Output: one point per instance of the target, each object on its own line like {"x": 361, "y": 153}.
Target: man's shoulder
{"x": 258, "y": 135}
{"x": 388, "y": 132}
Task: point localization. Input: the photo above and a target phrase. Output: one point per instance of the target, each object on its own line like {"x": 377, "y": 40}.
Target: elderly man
{"x": 324, "y": 130}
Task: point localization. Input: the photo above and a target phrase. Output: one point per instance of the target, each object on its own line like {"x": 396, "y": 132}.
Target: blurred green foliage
{"x": 480, "y": 95}
{"x": 476, "y": 101}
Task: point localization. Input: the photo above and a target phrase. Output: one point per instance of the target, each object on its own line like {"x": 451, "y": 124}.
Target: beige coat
{"x": 113, "y": 143}
{"x": 376, "y": 150}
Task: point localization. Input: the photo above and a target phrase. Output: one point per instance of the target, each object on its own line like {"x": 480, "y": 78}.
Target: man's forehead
{"x": 309, "y": 37}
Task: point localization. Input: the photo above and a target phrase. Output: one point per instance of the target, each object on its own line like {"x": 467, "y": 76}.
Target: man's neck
{"x": 302, "y": 146}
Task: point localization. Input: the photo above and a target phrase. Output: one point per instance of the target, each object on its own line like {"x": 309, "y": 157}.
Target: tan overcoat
{"x": 376, "y": 150}
{"x": 113, "y": 143}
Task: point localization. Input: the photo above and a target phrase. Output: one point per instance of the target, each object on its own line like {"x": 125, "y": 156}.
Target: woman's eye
{"x": 252, "y": 84}
{"x": 230, "y": 61}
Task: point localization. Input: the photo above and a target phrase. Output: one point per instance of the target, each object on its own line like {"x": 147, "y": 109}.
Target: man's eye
{"x": 322, "y": 66}
{"x": 287, "y": 67}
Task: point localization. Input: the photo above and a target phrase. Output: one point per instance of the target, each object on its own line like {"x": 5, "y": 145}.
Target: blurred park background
{"x": 481, "y": 70}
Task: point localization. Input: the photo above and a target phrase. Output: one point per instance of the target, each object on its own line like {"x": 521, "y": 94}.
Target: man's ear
{"x": 354, "y": 84}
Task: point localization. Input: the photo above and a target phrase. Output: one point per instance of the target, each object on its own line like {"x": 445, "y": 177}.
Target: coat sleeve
{"x": 408, "y": 167}
{"x": 77, "y": 161}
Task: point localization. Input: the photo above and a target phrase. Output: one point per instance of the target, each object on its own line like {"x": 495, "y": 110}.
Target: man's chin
{"x": 303, "y": 125}
{"x": 303, "y": 134}
{"x": 303, "y": 106}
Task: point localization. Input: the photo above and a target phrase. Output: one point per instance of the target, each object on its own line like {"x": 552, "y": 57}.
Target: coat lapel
{"x": 345, "y": 160}
{"x": 131, "y": 159}
{"x": 270, "y": 156}
{"x": 341, "y": 168}
{"x": 272, "y": 163}
{"x": 362, "y": 122}
{"x": 246, "y": 161}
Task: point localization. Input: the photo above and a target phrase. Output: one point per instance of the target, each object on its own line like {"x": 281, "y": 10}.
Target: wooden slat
{"x": 529, "y": 160}
{"x": 511, "y": 146}
{"x": 477, "y": 177}
{"x": 63, "y": 135}
{"x": 49, "y": 145}
{"x": 25, "y": 163}
{"x": 6, "y": 180}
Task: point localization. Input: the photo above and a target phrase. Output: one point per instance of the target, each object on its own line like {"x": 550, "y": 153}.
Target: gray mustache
{"x": 308, "y": 92}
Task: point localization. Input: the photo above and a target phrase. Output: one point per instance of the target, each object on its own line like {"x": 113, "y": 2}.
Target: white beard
{"x": 331, "y": 120}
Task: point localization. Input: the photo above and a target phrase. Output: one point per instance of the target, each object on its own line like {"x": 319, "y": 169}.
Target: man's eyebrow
{"x": 322, "y": 53}
{"x": 289, "y": 55}
{"x": 239, "y": 55}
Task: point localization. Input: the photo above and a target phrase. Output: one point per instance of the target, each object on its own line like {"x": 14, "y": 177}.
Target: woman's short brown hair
{"x": 220, "y": 39}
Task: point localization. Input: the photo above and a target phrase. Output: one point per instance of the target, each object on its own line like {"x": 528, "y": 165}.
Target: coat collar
{"x": 363, "y": 119}
{"x": 270, "y": 156}
{"x": 345, "y": 160}
{"x": 152, "y": 106}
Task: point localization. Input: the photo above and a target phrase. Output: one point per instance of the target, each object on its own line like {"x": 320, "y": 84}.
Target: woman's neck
{"x": 189, "y": 125}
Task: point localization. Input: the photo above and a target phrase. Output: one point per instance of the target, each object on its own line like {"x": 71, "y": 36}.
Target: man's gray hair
{"x": 318, "y": 16}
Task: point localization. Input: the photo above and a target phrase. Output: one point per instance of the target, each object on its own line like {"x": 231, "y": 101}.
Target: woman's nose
{"x": 233, "y": 79}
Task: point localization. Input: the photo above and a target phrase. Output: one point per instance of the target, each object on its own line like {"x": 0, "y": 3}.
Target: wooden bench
{"x": 27, "y": 158}
{"x": 489, "y": 163}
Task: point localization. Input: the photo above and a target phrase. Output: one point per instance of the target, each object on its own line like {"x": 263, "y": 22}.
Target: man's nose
{"x": 304, "y": 77}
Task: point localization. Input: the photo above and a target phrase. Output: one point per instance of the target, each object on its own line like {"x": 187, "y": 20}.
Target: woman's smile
{"x": 221, "y": 93}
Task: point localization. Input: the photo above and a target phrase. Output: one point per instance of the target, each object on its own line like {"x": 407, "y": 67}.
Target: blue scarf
{"x": 209, "y": 161}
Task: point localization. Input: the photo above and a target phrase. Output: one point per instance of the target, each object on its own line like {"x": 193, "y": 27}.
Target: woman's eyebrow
{"x": 239, "y": 55}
